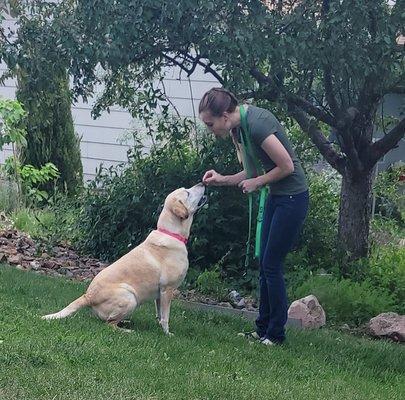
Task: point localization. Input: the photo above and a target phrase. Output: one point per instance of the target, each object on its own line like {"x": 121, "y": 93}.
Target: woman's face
{"x": 219, "y": 126}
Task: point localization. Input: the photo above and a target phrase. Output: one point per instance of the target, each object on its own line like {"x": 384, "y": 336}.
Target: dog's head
{"x": 183, "y": 203}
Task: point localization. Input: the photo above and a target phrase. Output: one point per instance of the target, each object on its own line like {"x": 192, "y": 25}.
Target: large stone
{"x": 390, "y": 324}
{"x": 308, "y": 311}
{"x": 15, "y": 259}
{"x": 237, "y": 300}
{"x": 35, "y": 265}
{"x": 225, "y": 304}
{"x": 235, "y": 296}
{"x": 240, "y": 304}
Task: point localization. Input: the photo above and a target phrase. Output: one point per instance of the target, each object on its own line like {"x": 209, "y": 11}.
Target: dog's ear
{"x": 180, "y": 210}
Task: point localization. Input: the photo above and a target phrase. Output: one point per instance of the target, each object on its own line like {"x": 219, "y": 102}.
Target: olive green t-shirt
{"x": 262, "y": 123}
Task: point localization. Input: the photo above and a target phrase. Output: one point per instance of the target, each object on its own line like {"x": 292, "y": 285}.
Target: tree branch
{"x": 310, "y": 109}
{"x": 329, "y": 92}
{"x": 5, "y": 38}
{"x": 176, "y": 62}
{"x": 207, "y": 68}
{"x": 368, "y": 95}
{"x": 379, "y": 148}
{"x": 292, "y": 99}
{"x": 194, "y": 66}
{"x": 195, "y": 61}
{"x": 336, "y": 160}
{"x": 344, "y": 130}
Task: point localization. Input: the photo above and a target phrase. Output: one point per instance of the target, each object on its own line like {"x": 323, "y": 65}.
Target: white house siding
{"x": 393, "y": 105}
{"x": 102, "y": 139}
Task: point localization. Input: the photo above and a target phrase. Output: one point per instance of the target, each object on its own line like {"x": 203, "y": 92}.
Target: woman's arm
{"x": 212, "y": 178}
{"x": 284, "y": 165}
{"x": 278, "y": 153}
{"x": 234, "y": 180}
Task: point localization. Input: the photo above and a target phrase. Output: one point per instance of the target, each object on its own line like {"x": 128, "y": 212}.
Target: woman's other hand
{"x": 249, "y": 185}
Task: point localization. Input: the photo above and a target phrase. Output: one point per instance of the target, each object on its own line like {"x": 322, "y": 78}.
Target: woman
{"x": 286, "y": 206}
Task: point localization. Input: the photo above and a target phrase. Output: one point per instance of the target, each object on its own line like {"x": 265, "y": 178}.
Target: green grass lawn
{"x": 83, "y": 358}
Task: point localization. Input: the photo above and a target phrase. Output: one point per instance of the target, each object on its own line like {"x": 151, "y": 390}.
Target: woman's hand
{"x": 249, "y": 185}
{"x": 212, "y": 178}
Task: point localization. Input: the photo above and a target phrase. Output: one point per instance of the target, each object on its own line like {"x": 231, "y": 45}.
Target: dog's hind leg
{"x": 119, "y": 304}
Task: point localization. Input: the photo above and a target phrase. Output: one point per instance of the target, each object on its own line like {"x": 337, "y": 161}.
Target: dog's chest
{"x": 174, "y": 272}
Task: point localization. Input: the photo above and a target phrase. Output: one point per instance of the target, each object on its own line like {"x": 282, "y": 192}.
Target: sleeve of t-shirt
{"x": 261, "y": 128}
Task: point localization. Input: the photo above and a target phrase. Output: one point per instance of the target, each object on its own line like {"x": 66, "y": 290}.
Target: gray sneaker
{"x": 267, "y": 342}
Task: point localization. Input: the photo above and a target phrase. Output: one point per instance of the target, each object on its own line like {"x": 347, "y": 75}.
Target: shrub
{"x": 389, "y": 201}
{"x": 383, "y": 269}
{"x": 386, "y": 231}
{"x": 50, "y": 131}
{"x": 210, "y": 283}
{"x": 316, "y": 249}
{"x": 345, "y": 301}
{"x": 122, "y": 206}
{"x": 387, "y": 271}
{"x": 32, "y": 179}
{"x": 25, "y": 220}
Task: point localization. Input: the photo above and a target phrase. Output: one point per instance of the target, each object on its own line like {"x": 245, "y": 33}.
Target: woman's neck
{"x": 235, "y": 118}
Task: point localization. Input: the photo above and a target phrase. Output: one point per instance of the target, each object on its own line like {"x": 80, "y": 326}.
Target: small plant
{"x": 210, "y": 283}
{"x": 24, "y": 219}
{"x": 387, "y": 271}
{"x": 11, "y": 117}
{"x": 32, "y": 179}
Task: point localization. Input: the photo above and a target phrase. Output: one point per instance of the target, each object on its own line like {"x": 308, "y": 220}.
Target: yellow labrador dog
{"x": 151, "y": 270}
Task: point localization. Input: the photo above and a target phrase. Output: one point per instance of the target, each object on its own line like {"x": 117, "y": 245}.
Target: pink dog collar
{"x": 174, "y": 235}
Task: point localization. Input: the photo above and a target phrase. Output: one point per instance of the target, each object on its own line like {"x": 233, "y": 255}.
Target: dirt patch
{"x": 20, "y": 251}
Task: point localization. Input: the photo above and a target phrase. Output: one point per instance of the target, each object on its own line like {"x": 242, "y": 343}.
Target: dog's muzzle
{"x": 202, "y": 202}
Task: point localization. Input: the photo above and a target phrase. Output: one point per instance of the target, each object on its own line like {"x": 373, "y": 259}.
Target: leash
{"x": 249, "y": 154}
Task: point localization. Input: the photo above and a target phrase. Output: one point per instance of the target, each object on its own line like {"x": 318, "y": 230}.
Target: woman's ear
{"x": 180, "y": 210}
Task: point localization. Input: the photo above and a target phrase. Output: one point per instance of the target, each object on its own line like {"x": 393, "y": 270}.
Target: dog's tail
{"x": 70, "y": 309}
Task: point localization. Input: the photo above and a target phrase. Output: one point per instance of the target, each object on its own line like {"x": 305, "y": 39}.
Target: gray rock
{"x": 240, "y": 304}
{"x": 15, "y": 259}
{"x": 234, "y": 296}
{"x": 225, "y": 304}
{"x": 308, "y": 311}
{"x": 35, "y": 265}
{"x": 390, "y": 324}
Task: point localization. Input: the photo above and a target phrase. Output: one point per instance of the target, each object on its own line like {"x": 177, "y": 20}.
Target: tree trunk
{"x": 355, "y": 213}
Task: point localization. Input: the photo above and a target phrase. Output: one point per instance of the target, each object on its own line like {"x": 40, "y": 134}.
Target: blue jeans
{"x": 283, "y": 219}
